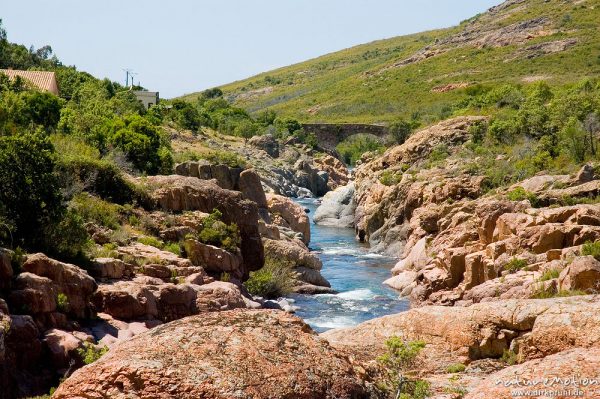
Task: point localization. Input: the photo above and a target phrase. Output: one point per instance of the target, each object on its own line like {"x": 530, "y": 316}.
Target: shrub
{"x": 456, "y": 368}
{"x": 503, "y": 131}
{"x": 401, "y": 130}
{"x": 520, "y": 194}
{"x": 515, "y": 264}
{"x": 152, "y": 241}
{"x": 390, "y": 178}
{"x": 62, "y": 303}
{"x": 509, "y": 357}
{"x": 354, "y": 147}
{"x": 173, "y": 247}
{"x": 478, "y": 131}
{"x": 215, "y": 232}
{"x": 67, "y": 239}
{"x": 96, "y": 210}
{"x": 230, "y": 159}
{"x": 30, "y": 198}
{"x": 90, "y": 352}
{"x": 398, "y": 361}
{"x": 549, "y": 274}
{"x": 276, "y": 278}
{"x": 438, "y": 154}
{"x": 591, "y": 249}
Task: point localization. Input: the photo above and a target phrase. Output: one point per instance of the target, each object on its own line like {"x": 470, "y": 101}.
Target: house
{"x": 147, "y": 98}
{"x": 43, "y": 80}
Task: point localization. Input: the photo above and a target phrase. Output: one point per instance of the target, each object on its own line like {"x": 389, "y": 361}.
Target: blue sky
{"x": 181, "y": 46}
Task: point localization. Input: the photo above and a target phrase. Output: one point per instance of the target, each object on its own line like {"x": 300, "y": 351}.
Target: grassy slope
{"x": 349, "y": 85}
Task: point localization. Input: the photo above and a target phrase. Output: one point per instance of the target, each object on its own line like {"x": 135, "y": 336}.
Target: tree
{"x": 30, "y": 195}
{"x": 592, "y": 127}
{"x": 42, "y": 108}
{"x": 574, "y": 138}
{"x": 247, "y": 130}
{"x": 400, "y": 130}
{"x": 399, "y": 361}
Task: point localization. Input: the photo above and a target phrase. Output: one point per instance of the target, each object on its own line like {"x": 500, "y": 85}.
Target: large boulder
{"x": 582, "y": 274}
{"x": 178, "y": 193}
{"x": 150, "y": 299}
{"x": 530, "y": 327}
{"x": 337, "y": 208}
{"x": 257, "y": 354}
{"x": 6, "y": 271}
{"x": 572, "y": 370}
{"x": 290, "y": 215}
{"x": 252, "y": 189}
{"x": 310, "y": 177}
{"x": 225, "y": 176}
{"x": 66, "y": 279}
{"x": 336, "y": 170}
{"x": 214, "y": 259}
{"x": 267, "y": 143}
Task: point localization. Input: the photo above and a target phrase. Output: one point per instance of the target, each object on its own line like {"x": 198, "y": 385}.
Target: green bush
{"x": 30, "y": 197}
{"x": 591, "y": 249}
{"x": 400, "y": 359}
{"x": 549, "y": 274}
{"x": 390, "y": 178}
{"x": 96, "y": 210}
{"x": 222, "y": 235}
{"x": 152, "y": 241}
{"x": 520, "y": 194}
{"x": 67, "y": 239}
{"x": 62, "y": 303}
{"x": 354, "y": 147}
{"x": 456, "y": 368}
{"x": 478, "y": 131}
{"x": 509, "y": 357}
{"x": 515, "y": 264}
{"x": 401, "y": 130}
{"x": 275, "y": 279}
{"x": 173, "y": 247}
{"x": 90, "y": 353}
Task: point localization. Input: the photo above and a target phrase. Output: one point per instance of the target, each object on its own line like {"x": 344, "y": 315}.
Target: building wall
{"x": 148, "y": 98}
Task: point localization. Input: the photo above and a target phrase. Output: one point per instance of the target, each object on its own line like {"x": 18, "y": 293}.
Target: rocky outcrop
{"x": 227, "y": 349}
{"x": 308, "y": 176}
{"x": 226, "y": 177}
{"x": 570, "y": 372}
{"x": 6, "y": 271}
{"x": 178, "y": 193}
{"x": 337, "y": 208}
{"x": 44, "y": 280}
{"x": 146, "y": 298}
{"x": 306, "y": 264}
{"x": 530, "y": 328}
{"x": 213, "y": 259}
{"x": 267, "y": 143}
{"x": 337, "y": 172}
{"x": 287, "y": 214}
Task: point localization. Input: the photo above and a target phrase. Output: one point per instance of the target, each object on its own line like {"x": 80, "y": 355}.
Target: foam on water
{"x": 357, "y": 276}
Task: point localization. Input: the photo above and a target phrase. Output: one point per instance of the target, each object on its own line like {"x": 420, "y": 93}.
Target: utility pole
{"x": 128, "y": 73}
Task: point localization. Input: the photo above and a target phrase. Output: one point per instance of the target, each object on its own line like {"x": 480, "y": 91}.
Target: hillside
{"x": 518, "y": 42}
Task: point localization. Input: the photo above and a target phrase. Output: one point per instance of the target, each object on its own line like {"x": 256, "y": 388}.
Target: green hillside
{"x": 518, "y": 42}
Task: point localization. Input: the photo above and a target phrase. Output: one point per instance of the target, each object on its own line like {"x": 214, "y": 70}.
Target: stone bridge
{"x": 330, "y": 135}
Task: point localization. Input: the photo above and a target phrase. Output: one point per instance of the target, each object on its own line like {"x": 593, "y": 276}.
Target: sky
{"x": 182, "y": 46}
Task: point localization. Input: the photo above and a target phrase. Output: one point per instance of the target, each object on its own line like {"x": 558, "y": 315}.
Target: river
{"x": 354, "y": 272}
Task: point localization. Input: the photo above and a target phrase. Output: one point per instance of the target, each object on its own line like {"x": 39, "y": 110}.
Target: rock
{"x": 403, "y": 282}
{"x": 251, "y": 187}
{"x": 582, "y": 274}
{"x": 66, "y": 279}
{"x": 33, "y": 294}
{"x": 226, "y": 177}
{"x": 177, "y": 193}
{"x": 110, "y": 268}
{"x": 141, "y": 299}
{"x": 585, "y": 174}
{"x": 214, "y": 259}
{"x": 337, "y": 173}
{"x": 337, "y": 208}
{"x": 63, "y": 347}
{"x": 293, "y": 215}
{"x": 149, "y": 254}
{"x": 575, "y": 363}
{"x": 267, "y": 143}
{"x": 537, "y": 184}
{"x": 227, "y": 349}
{"x": 6, "y": 271}
{"x": 306, "y": 264}
{"x": 483, "y": 330}
{"x": 308, "y": 176}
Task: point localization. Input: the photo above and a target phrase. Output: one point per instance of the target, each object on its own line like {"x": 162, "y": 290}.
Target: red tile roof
{"x": 41, "y": 79}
